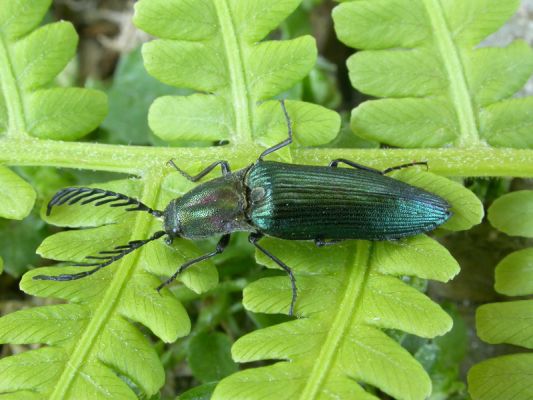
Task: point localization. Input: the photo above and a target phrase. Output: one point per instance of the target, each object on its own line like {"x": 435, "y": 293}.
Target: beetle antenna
{"x": 104, "y": 259}
{"x": 73, "y": 195}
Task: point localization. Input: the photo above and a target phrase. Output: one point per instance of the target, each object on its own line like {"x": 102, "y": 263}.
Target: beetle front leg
{"x": 224, "y": 166}
{"x": 253, "y": 239}
{"x": 287, "y": 141}
{"x": 221, "y": 246}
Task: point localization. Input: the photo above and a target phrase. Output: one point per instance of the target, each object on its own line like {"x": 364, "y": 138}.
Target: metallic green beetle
{"x": 325, "y": 204}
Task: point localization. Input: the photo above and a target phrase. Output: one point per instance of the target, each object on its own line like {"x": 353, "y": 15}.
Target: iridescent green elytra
{"x": 325, "y": 204}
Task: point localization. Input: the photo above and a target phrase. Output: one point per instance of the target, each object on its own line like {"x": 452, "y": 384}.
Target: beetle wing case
{"x": 308, "y": 202}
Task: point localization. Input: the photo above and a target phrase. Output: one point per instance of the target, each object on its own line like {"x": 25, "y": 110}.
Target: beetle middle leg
{"x": 336, "y": 162}
{"x": 224, "y": 166}
{"x": 221, "y": 246}
{"x": 256, "y": 237}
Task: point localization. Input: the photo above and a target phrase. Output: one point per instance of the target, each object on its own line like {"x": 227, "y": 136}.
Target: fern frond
{"x": 508, "y": 377}
{"x": 92, "y": 339}
{"x": 213, "y": 46}
{"x": 30, "y": 59}
{"x": 348, "y": 294}
{"x": 440, "y": 88}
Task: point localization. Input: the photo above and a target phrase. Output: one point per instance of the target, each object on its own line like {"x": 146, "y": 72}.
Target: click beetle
{"x": 325, "y": 204}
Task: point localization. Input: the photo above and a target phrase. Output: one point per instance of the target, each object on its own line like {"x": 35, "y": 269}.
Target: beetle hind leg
{"x": 253, "y": 239}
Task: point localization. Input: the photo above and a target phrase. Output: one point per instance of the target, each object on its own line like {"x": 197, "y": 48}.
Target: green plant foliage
{"x": 94, "y": 331}
{"x": 210, "y": 357}
{"x": 17, "y": 195}
{"x": 508, "y": 377}
{"x": 30, "y": 59}
{"x": 441, "y": 89}
{"x": 513, "y": 213}
{"x": 130, "y": 96}
{"x": 92, "y": 350}
{"x": 212, "y": 46}
{"x": 96, "y": 345}
{"x": 347, "y": 294}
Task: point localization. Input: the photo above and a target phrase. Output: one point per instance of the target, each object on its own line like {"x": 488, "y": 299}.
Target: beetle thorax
{"x": 213, "y": 208}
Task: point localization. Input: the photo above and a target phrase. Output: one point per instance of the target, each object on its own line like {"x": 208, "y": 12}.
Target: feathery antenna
{"x": 105, "y": 258}
{"x": 85, "y": 195}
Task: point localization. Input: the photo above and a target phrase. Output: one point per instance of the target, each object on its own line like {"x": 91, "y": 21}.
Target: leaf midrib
{"x": 16, "y": 125}
{"x": 458, "y": 91}
{"x": 134, "y": 160}
{"x": 346, "y": 313}
{"x": 236, "y": 66}
{"x": 106, "y": 307}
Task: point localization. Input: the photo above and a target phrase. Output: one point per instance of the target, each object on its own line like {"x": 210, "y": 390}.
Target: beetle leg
{"x": 253, "y": 239}
{"x": 221, "y": 246}
{"x": 287, "y": 141}
{"x": 397, "y": 167}
{"x": 322, "y": 243}
{"x": 336, "y": 162}
{"x": 224, "y": 166}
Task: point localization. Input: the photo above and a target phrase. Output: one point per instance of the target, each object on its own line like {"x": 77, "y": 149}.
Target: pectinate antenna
{"x": 103, "y": 259}
{"x": 98, "y": 197}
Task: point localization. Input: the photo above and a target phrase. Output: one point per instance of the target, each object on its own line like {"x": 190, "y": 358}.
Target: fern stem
{"x": 451, "y": 60}
{"x": 136, "y": 160}
{"x": 81, "y": 354}
{"x": 236, "y": 66}
{"x": 357, "y": 270}
{"x": 16, "y": 124}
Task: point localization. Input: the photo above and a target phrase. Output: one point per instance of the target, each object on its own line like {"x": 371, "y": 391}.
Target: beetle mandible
{"x": 325, "y": 204}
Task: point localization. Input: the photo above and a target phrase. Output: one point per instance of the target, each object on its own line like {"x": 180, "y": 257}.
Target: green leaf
{"x": 17, "y": 18}
{"x": 209, "y": 356}
{"x": 514, "y": 274}
{"x": 347, "y": 293}
{"x": 218, "y": 51}
{"x": 508, "y": 322}
{"x": 513, "y": 213}
{"x": 439, "y": 88}
{"x": 97, "y": 322}
{"x": 202, "y": 392}
{"x": 32, "y": 59}
{"x": 65, "y": 113}
{"x": 130, "y": 95}
{"x": 18, "y": 195}
{"x": 506, "y": 377}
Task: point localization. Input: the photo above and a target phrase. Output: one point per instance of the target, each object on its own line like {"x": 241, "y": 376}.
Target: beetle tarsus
{"x": 402, "y": 166}
{"x": 324, "y": 243}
